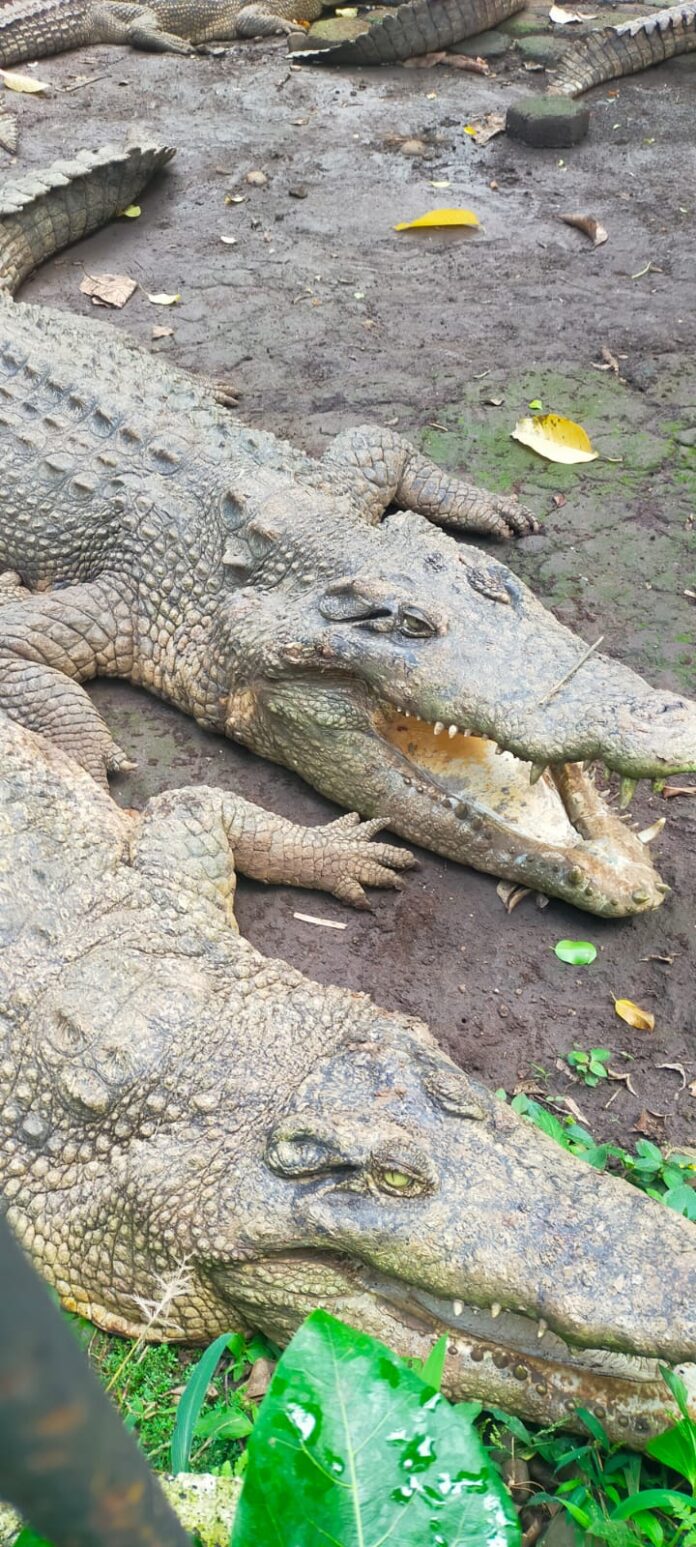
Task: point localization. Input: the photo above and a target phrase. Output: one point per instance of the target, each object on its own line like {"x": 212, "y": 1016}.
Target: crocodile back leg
{"x": 49, "y": 644}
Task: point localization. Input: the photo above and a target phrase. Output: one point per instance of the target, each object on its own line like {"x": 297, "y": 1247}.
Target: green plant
{"x": 591, "y": 1066}
{"x": 352, "y": 1448}
{"x": 669, "y": 1178}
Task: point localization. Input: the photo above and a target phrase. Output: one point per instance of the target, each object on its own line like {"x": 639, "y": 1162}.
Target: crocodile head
{"x": 202, "y": 1139}
{"x": 408, "y": 676}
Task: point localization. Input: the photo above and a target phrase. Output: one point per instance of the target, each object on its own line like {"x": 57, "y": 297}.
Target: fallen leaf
{"x": 511, "y": 894}
{"x": 443, "y": 183}
{"x": 536, "y": 404}
{"x": 589, "y": 225}
{"x": 572, "y": 1106}
{"x": 230, "y": 241}
{"x": 649, "y": 833}
{"x": 308, "y": 918}
{"x": 485, "y": 129}
{"x": 493, "y": 402}
{"x": 556, "y": 438}
{"x": 561, "y": 17}
{"x": 437, "y": 218}
{"x": 108, "y": 289}
{"x": 578, "y": 953}
{"x": 559, "y": 500}
{"x": 262, "y": 1369}
{"x": 631, "y": 1013}
{"x": 256, "y": 179}
{"x": 162, "y": 332}
{"x": 649, "y": 1124}
{"x": 678, "y": 1069}
{"x": 618, "y": 1074}
{"x": 163, "y": 300}
{"x": 26, "y": 83}
{"x": 235, "y": 198}
{"x": 678, "y": 789}
{"x": 131, "y": 213}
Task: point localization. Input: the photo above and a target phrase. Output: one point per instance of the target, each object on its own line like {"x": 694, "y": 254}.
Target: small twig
{"x": 562, "y": 681}
{"x": 88, "y": 81}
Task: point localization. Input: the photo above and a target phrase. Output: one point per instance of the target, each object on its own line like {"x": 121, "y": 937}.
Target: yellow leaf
{"x": 632, "y": 1014}
{"x": 440, "y": 217}
{"x": 557, "y": 439}
{"x": 26, "y": 83}
{"x": 131, "y": 213}
{"x": 469, "y": 129}
{"x": 164, "y": 300}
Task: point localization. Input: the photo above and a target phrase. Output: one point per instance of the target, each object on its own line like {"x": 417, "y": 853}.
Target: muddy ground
{"x": 323, "y": 317}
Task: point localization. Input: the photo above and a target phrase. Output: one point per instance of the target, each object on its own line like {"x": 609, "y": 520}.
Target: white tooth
{"x": 496, "y": 1308}
{"x": 452, "y": 730}
{"x": 457, "y": 1307}
{"x": 407, "y": 713}
{"x": 438, "y": 728}
{"x": 542, "y": 1327}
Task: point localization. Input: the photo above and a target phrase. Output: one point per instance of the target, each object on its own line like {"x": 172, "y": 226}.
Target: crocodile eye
{"x": 415, "y": 625}
{"x": 404, "y": 1184}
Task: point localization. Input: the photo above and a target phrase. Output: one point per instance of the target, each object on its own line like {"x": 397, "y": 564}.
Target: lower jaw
{"x": 498, "y": 1369}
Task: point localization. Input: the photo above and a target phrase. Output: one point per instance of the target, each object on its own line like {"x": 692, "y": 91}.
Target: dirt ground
{"x": 322, "y": 316}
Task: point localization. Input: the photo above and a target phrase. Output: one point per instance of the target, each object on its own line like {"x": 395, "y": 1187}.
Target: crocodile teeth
{"x": 458, "y": 1307}
{"x": 535, "y": 772}
{"x": 496, "y": 1308}
{"x": 438, "y": 728}
{"x": 627, "y": 790}
{"x": 452, "y": 731}
{"x": 542, "y": 1327}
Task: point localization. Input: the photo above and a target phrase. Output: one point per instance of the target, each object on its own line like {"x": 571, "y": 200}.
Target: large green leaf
{"x": 352, "y": 1449}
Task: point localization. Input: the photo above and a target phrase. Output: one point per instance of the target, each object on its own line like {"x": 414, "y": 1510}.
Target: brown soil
{"x": 323, "y": 317}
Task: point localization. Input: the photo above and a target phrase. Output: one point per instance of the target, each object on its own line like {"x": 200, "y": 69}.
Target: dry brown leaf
{"x": 619, "y": 1074}
{"x": 561, "y": 17}
{"x": 589, "y": 226}
{"x": 631, "y": 1013}
{"x": 678, "y": 1069}
{"x": 649, "y": 1124}
{"x": 574, "y": 1109}
{"x": 259, "y": 1379}
{"x": 678, "y": 789}
{"x": 511, "y": 894}
{"x": 162, "y": 332}
{"x": 484, "y": 129}
{"x": 162, "y": 299}
{"x": 108, "y": 289}
{"x": 24, "y": 83}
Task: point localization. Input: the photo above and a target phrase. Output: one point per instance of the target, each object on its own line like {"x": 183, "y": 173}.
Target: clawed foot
{"x": 510, "y": 519}
{"x": 352, "y": 861}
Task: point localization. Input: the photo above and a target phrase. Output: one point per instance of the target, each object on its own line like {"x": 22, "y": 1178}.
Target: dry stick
{"x": 562, "y": 681}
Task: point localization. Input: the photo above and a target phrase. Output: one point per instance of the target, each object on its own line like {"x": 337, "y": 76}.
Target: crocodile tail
{"x": 420, "y": 27}
{"x": 43, "y": 212}
{"x": 609, "y": 52}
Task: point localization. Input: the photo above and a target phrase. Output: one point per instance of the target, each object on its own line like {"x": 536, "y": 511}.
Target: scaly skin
{"x": 263, "y": 593}
{"x": 420, "y": 27}
{"x": 30, "y": 29}
{"x": 609, "y": 52}
{"x": 187, "y": 1125}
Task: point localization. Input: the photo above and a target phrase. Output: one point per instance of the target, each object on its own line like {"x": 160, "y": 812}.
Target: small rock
{"x": 256, "y": 179}
{"x": 413, "y": 148}
{"x": 540, "y": 49}
{"x": 548, "y": 121}
{"x": 298, "y": 192}
{"x": 486, "y": 45}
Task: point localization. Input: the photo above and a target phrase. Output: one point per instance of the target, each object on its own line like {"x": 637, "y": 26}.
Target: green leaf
{"x": 192, "y": 1399}
{"x": 676, "y": 1385}
{"x": 677, "y": 1448}
{"x": 433, "y": 1367}
{"x": 651, "y": 1498}
{"x": 577, "y": 952}
{"x": 351, "y": 1449}
{"x": 682, "y": 1199}
{"x": 224, "y": 1423}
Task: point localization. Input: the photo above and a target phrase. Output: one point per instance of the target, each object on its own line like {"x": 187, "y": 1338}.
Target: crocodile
{"x": 195, "y": 1138}
{"x": 263, "y": 592}
{"x": 32, "y": 29}
{"x": 424, "y": 26}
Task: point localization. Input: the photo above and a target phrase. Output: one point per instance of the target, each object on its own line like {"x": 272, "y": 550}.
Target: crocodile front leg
{"x": 191, "y": 841}
{"x": 385, "y": 469}
{"x": 49, "y": 644}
